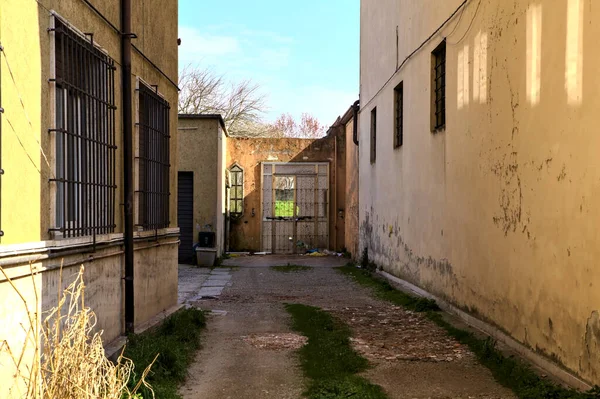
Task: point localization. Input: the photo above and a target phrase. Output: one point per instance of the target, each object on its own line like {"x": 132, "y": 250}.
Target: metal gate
{"x": 185, "y": 216}
{"x": 295, "y": 207}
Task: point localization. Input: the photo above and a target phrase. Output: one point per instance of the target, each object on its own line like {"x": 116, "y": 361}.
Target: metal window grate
{"x": 236, "y": 201}
{"x": 399, "y": 114}
{"x": 373, "y": 135}
{"x": 84, "y": 135}
{"x": 439, "y": 83}
{"x": 154, "y": 163}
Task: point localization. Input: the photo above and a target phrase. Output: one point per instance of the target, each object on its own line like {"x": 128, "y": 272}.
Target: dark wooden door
{"x": 185, "y": 216}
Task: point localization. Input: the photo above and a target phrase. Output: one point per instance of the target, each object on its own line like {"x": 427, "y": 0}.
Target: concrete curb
{"x": 548, "y": 366}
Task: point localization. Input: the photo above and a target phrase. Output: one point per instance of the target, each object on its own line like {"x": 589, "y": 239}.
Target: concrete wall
{"x": 495, "y": 213}
{"x": 351, "y": 193}
{"x": 339, "y": 193}
{"x": 201, "y": 142}
{"x": 249, "y": 153}
{"x": 28, "y": 160}
{"x": 155, "y": 291}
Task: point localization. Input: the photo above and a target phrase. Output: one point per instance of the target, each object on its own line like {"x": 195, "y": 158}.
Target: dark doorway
{"x": 185, "y": 216}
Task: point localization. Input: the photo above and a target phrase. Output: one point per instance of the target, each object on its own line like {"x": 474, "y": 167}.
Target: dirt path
{"x": 248, "y": 352}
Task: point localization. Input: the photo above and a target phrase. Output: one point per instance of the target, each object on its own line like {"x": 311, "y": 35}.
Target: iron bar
{"x": 153, "y": 160}
{"x": 84, "y": 139}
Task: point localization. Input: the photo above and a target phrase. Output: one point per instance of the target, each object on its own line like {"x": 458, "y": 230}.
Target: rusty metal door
{"x": 295, "y": 204}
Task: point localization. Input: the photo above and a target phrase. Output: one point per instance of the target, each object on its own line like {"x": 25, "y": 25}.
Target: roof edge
{"x": 206, "y": 116}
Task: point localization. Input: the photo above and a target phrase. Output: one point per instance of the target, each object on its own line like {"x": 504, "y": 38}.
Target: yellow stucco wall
{"x": 27, "y": 151}
{"x": 21, "y": 122}
{"x": 200, "y": 152}
{"x": 496, "y": 213}
{"x": 27, "y": 158}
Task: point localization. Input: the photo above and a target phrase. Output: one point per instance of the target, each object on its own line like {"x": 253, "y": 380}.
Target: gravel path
{"x": 248, "y": 345}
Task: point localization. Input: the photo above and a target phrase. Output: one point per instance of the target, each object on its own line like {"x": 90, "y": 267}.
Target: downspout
{"x": 127, "y": 162}
{"x": 355, "y": 108}
{"x": 335, "y": 181}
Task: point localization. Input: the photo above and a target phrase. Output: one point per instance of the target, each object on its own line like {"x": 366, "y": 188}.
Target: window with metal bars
{"x": 84, "y": 135}
{"x": 236, "y": 196}
{"x": 153, "y": 159}
{"x": 438, "y": 58}
{"x": 373, "y": 135}
{"x": 398, "y": 114}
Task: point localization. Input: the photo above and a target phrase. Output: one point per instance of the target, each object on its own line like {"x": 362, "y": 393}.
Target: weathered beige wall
{"x": 199, "y": 149}
{"x": 338, "y": 214}
{"x": 104, "y": 293}
{"x": 155, "y": 278}
{"x": 351, "y": 188}
{"x": 496, "y": 213}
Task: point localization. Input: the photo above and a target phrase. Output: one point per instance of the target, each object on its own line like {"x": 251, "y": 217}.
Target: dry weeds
{"x": 68, "y": 358}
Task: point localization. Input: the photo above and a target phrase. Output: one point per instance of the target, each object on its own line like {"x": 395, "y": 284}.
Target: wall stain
{"x": 511, "y": 194}
{"x": 401, "y": 254}
{"x": 590, "y": 357}
{"x": 563, "y": 173}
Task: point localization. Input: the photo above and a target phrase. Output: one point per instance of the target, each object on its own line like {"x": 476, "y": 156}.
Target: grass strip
{"x": 384, "y": 290}
{"x": 175, "y": 341}
{"x": 328, "y": 359}
{"x": 291, "y": 268}
{"x": 508, "y": 371}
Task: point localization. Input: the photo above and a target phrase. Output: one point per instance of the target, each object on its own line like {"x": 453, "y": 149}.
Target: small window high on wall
{"x": 236, "y": 195}
{"x": 438, "y": 87}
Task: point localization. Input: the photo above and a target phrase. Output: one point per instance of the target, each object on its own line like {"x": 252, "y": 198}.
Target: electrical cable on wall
{"x": 468, "y": 28}
{"x": 408, "y": 57}
{"x": 3, "y": 52}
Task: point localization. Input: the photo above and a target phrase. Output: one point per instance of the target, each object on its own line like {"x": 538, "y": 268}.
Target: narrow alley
{"x": 248, "y": 348}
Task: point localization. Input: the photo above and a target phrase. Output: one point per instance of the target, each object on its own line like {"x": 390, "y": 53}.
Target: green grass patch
{"x": 508, "y": 371}
{"x": 291, "y": 268}
{"x": 328, "y": 359}
{"x": 175, "y": 341}
{"x": 384, "y": 290}
{"x": 285, "y": 208}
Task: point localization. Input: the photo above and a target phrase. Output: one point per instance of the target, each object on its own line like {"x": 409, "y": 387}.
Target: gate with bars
{"x": 295, "y": 207}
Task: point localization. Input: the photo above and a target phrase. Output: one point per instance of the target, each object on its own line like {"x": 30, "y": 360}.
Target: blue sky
{"x": 304, "y": 55}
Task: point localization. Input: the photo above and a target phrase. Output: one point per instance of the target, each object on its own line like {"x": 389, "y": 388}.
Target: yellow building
{"x": 479, "y": 171}
{"x": 63, "y": 147}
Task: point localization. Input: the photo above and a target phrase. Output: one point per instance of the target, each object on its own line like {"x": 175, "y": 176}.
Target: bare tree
{"x": 308, "y": 127}
{"x": 241, "y": 104}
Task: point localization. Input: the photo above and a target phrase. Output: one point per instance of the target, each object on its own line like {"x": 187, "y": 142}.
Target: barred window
{"x": 398, "y": 114}
{"x": 373, "y": 135}
{"x": 236, "y": 200}
{"x": 84, "y": 135}
{"x": 438, "y": 73}
{"x": 153, "y": 160}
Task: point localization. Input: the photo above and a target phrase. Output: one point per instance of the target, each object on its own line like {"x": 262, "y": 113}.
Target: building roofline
{"x": 348, "y": 115}
{"x": 343, "y": 120}
{"x": 219, "y": 117}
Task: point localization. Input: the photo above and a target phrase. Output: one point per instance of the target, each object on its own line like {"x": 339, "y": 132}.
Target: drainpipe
{"x": 355, "y": 108}
{"x": 127, "y": 162}
{"x": 335, "y": 183}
